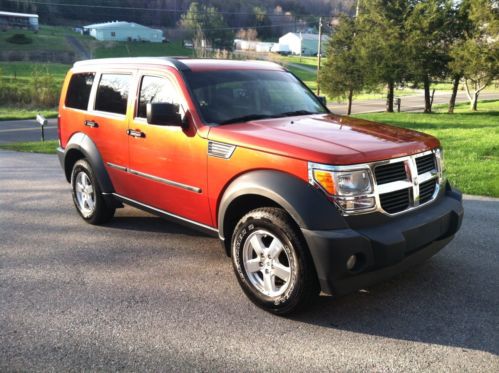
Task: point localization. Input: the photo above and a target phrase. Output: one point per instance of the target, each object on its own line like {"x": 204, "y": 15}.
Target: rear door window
{"x": 112, "y": 93}
{"x": 79, "y": 89}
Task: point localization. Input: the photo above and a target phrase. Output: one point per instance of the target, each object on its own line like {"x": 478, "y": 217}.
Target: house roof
{"x": 117, "y": 25}
{"x": 305, "y": 36}
{"x": 24, "y": 15}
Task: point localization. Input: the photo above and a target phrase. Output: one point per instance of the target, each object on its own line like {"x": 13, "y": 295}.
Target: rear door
{"x": 167, "y": 163}
{"x": 107, "y": 122}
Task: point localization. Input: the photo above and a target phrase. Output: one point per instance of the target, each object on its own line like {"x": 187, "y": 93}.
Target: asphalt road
{"x": 408, "y": 103}
{"x": 145, "y": 294}
{"x": 26, "y": 130}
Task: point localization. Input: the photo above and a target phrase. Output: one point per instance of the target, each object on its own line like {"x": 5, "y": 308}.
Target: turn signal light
{"x": 325, "y": 180}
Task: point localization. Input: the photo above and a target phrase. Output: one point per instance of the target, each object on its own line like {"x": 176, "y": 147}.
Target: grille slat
{"x": 390, "y": 172}
{"x": 425, "y": 163}
{"x": 426, "y": 191}
{"x": 395, "y": 201}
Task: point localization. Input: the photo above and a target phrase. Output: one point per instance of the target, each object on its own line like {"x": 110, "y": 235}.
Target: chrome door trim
{"x": 190, "y": 188}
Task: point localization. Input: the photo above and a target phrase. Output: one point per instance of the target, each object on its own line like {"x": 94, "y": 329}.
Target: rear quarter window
{"x": 79, "y": 89}
{"x": 112, "y": 93}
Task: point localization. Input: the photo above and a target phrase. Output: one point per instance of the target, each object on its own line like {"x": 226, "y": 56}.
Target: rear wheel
{"x": 87, "y": 196}
{"x": 272, "y": 262}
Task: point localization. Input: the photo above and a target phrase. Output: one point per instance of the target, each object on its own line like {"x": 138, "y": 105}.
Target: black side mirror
{"x": 322, "y": 99}
{"x": 164, "y": 114}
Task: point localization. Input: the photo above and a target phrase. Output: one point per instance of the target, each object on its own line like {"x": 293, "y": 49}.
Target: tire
{"x": 272, "y": 262}
{"x": 87, "y": 195}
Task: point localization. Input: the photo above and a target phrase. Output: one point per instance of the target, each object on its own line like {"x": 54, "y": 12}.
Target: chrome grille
{"x": 399, "y": 184}
{"x": 426, "y": 163}
{"x": 390, "y": 172}
{"x": 397, "y": 201}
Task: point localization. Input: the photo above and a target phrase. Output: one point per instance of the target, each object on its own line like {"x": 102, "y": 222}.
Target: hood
{"x": 325, "y": 138}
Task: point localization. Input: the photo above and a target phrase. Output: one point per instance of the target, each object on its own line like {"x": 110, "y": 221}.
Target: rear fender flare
{"x": 83, "y": 144}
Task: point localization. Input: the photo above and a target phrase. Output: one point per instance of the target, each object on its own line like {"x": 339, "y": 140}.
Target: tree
{"x": 459, "y": 28}
{"x": 343, "y": 73}
{"x": 427, "y": 42}
{"x": 381, "y": 43}
{"x": 206, "y": 24}
{"x": 476, "y": 57}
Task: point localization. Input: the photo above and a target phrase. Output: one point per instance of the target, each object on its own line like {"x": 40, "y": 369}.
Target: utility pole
{"x": 319, "y": 55}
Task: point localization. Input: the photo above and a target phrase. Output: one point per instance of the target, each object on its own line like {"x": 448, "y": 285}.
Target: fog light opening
{"x": 351, "y": 262}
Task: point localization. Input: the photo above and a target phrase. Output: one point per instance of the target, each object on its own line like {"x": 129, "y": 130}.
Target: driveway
{"x": 145, "y": 294}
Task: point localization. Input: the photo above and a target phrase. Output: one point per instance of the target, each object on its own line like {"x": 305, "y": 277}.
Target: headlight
{"x": 439, "y": 156}
{"x": 350, "y": 189}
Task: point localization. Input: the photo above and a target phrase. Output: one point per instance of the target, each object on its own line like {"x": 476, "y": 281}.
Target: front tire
{"x": 87, "y": 195}
{"x": 272, "y": 263}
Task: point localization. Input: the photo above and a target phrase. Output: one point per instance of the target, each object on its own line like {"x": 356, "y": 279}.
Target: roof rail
{"x": 168, "y": 61}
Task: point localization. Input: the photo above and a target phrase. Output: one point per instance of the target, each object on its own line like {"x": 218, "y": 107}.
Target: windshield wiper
{"x": 246, "y": 118}
{"x": 296, "y": 112}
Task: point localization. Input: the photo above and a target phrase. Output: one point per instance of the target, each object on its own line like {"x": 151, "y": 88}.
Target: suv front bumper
{"x": 383, "y": 250}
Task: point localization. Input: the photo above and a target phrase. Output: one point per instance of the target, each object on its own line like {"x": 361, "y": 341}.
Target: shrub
{"x": 19, "y": 39}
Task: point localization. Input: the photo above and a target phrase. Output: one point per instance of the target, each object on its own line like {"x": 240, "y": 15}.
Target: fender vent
{"x": 220, "y": 150}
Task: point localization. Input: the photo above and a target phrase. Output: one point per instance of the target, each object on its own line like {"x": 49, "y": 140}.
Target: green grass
{"x": 14, "y": 113}
{"x": 470, "y": 141}
{"x": 50, "y": 38}
{"x": 46, "y": 147}
{"x": 21, "y": 70}
{"x": 137, "y": 49}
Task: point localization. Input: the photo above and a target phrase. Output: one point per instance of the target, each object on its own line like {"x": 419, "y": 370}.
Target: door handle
{"x": 135, "y": 133}
{"x": 91, "y": 123}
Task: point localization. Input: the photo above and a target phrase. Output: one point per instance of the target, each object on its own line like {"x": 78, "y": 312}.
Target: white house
{"x": 301, "y": 43}
{"x": 21, "y": 20}
{"x": 123, "y": 31}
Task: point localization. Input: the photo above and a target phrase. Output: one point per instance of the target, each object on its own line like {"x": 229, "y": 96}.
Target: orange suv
{"x": 302, "y": 200}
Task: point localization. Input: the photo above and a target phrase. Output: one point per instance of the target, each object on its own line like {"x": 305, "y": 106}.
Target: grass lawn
{"x": 13, "y": 113}
{"x": 470, "y": 141}
{"x": 24, "y": 70}
{"x": 50, "y": 38}
{"x": 46, "y": 147}
{"x": 137, "y": 49}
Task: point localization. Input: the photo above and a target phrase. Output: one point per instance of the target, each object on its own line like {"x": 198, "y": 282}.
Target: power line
{"x": 180, "y": 11}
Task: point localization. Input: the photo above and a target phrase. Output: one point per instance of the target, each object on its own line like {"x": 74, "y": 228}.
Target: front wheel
{"x": 87, "y": 196}
{"x": 272, "y": 262}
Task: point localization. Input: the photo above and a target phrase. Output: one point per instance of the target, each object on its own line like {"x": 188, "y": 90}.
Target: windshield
{"x": 240, "y": 95}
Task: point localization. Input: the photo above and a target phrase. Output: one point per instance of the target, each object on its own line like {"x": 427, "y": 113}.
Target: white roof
{"x": 26, "y": 15}
{"x": 305, "y": 36}
{"x": 116, "y": 25}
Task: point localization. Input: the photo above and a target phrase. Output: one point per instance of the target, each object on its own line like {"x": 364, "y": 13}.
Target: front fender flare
{"x": 308, "y": 206}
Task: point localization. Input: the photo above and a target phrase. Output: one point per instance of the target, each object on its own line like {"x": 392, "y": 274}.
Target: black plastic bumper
{"x": 383, "y": 250}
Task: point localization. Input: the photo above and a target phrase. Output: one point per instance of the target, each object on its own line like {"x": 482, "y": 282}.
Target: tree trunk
{"x": 475, "y": 102}
{"x": 427, "y": 96}
{"x": 350, "y": 94}
{"x": 389, "y": 97}
{"x": 455, "y": 87}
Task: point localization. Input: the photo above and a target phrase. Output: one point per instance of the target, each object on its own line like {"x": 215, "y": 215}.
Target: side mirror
{"x": 164, "y": 114}
{"x": 322, "y": 99}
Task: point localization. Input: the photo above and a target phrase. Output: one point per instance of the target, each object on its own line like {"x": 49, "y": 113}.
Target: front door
{"x": 167, "y": 164}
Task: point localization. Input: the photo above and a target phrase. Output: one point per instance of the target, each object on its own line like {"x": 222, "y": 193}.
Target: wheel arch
{"x": 81, "y": 146}
{"x": 307, "y": 206}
